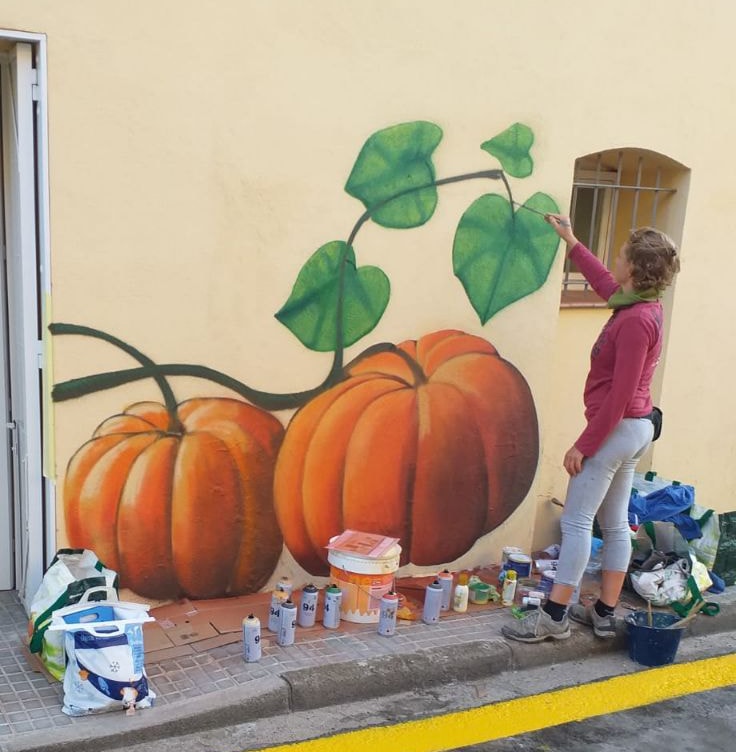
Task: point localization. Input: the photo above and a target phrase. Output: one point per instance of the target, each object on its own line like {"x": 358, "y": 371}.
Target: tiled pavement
{"x": 30, "y": 702}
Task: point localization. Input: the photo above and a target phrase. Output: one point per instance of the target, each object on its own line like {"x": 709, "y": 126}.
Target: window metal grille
{"x": 613, "y": 192}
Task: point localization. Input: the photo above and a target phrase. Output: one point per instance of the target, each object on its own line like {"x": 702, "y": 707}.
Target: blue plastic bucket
{"x": 655, "y": 645}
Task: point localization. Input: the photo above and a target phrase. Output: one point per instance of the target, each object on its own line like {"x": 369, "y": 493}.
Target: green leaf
{"x": 396, "y": 162}
{"x": 499, "y": 255}
{"x": 511, "y": 149}
{"x": 311, "y": 310}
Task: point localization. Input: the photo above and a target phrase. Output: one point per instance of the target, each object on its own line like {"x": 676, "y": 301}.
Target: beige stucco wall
{"x": 198, "y": 157}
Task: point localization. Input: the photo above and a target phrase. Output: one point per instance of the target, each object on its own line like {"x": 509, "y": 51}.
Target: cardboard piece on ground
{"x": 216, "y": 642}
{"x": 167, "y": 654}
{"x": 155, "y": 638}
{"x": 191, "y": 629}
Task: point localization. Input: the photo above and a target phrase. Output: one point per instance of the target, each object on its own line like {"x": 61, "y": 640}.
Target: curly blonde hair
{"x": 653, "y": 258}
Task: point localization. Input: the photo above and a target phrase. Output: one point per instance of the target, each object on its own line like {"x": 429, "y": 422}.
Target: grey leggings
{"x": 602, "y": 488}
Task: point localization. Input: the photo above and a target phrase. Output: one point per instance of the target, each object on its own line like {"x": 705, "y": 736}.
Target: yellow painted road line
{"x": 520, "y": 716}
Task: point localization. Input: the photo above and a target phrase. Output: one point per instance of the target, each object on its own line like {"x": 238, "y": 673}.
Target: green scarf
{"x": 621, "y": 299}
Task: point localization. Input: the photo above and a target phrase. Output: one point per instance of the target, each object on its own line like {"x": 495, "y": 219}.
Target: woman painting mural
{"x": 618, "y": 406}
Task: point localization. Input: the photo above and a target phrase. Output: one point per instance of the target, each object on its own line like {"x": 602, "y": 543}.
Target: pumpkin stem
{"x": 175, "y": 425}
{"x": 75, "y": 388}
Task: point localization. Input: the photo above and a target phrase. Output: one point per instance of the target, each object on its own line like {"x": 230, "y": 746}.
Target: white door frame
{"x": 39, "y": 533}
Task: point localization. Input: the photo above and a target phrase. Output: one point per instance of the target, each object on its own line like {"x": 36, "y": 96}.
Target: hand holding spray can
{"x": 308, "y": 606}
{"x": 445, "y": 578}
{"x": 432, "y": 603}
{"x": 387, "y": 614}
{"x": 333, "y": 600}
{"x": 251, "y": 639}
{"x": 287, "y": 625}
{"x": 274, "y": 612}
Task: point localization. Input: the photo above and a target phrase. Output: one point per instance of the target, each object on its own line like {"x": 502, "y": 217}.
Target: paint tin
{"x": 480, "y": 593}
{"x": 286, "y": 585}
{"x": 506, "y": 551}
{"x": 331, "y": 614}
{"x": 251, "y": 639}
{"x": 529, "y": 601}
{"x": 547, "y": 581}
{"x": 274, "y": 611}
{"x": 387, "y": 616}
{"x": 520, "y": 563}
{"x": 445, "y": 578}
{"x": 432, "y": 603}
{"x": 287, "y": 625}
{"x": 308, "y": 606}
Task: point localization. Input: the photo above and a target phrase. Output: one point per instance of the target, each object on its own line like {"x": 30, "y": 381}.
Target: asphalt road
{"x": 704, "y": 722}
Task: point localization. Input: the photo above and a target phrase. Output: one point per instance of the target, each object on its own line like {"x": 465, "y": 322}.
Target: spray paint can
{"x": 308, "y": 606}
{"x": 287, "y": 624}
{"x": 509, "y": 588}
{"x": 274, "y": 612}
{"x": 387, "y": 614}
{"x": 432, "y": 603}
{"x": 286, "y": 585}
{"x": 331, "y": 614}
{"x": 445, "y": 578}
{"x": 460, "y": 597}
{"x": 251, "y": 639}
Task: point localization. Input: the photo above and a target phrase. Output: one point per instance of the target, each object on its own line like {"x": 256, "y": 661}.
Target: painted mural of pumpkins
{"x": 180, "y": 507}
{"x": 435, "y": 442}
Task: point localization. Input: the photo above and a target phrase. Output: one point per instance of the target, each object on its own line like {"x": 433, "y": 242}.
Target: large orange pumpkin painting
{"x": 179, "y": 511}
{"x": 435, "y": 442}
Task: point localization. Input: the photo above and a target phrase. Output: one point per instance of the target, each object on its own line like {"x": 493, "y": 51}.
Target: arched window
{"x": 614, "y": 191}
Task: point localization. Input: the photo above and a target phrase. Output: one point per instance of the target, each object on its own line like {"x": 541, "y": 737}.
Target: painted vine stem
{"x": 394, "y": 178}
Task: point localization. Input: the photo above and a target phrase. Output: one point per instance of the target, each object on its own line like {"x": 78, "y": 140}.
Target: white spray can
{"x": 387, "y": 614}
{"x": 251, "y": 639}
{"x": 462, "y": 592}
{"x": 308, "y": 606}
{"x": 331, "y": 614}
{"x": 287, "y": 627}
{"x": 509, "y": 588}
{"x": 432, "y": 603}
{"x": 445, "y": 578}
{"x": 274, "y": 612}
{"x": 286, "y": 585}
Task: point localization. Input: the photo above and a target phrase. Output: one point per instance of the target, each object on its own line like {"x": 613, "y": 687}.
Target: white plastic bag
{"x": 71, "y": 574}
{"x": 105, "y": 657}
{"x": 706, "y": 548}
{"x": 663, "y": 586}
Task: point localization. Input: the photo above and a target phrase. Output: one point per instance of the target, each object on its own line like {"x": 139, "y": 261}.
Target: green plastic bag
{"x": 725, "y": 563}
{"x": 70, "y": 575}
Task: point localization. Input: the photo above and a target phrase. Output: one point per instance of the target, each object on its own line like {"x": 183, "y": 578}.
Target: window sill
{"x": 581, "y": 299}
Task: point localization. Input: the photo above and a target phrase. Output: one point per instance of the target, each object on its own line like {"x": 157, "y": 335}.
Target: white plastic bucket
{"x": 363, "y": 581}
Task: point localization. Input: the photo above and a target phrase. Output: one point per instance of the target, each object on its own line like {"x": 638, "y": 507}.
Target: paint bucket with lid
{"x": 364, "y": 581}
{"x": 506, "y": 551}
{"x": 520, "y": 563}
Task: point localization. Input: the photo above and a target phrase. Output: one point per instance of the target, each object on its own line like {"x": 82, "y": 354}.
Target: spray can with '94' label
{"x": 333, "y": 601}
{"x": 278, "y": 597}
{"x": 387, "y": 614}
{"x": 432, "y": 603}
{"x": 251, "y": 639}
{"x": 287, "y": 626}
{"x": 308, "y": 606}
{"x": 445, "y": 578}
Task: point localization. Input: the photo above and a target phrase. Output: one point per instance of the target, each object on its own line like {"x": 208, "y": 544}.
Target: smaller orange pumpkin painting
{"x": 179, "y": 505}
{"x": 434, "y": 442}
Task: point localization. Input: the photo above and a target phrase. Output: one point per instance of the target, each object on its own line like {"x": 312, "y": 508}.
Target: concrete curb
{"x": 337, "y": 683}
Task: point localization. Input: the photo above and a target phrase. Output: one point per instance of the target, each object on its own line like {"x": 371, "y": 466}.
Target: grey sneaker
{"x": 603, "y": 626}
{"x": 536, "y": 626}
